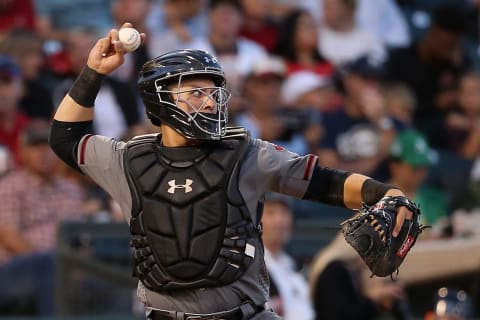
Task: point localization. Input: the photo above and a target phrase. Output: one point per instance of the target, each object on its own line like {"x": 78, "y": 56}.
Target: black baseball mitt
{"x": 369, "y": 232}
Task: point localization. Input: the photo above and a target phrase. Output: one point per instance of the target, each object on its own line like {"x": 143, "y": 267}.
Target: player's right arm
{"x": 74, "y": 116}
{"x": 106, "y": 56}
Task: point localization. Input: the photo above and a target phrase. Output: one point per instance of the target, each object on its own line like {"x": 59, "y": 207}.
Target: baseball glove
{"x": 369, "y": 232}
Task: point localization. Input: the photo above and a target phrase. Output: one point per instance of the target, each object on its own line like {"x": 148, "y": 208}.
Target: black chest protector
{"x": 190, "y": 226}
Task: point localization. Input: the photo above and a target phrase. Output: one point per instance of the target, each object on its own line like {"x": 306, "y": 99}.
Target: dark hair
{"x": 215, "y": 3}
{"x": 287, "y": 30}
{"x": 451, "y": 17}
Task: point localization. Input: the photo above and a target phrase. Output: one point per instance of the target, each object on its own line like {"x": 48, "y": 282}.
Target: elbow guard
{"x": 327, "y": 186}
{"x": 65, "y": 137}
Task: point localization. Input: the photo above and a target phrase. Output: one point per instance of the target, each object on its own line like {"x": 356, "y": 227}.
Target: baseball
{"x": 130, "y": 39}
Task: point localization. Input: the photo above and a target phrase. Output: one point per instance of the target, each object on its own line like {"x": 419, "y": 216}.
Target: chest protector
{"x": 190, "y": 226}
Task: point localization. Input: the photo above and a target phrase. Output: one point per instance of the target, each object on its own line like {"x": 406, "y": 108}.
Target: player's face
{"x": 195, "y": 95}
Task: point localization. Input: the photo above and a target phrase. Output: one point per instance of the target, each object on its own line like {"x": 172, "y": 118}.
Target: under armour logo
{"x": 208, "y": 60}
{"x": 173, "y": 185}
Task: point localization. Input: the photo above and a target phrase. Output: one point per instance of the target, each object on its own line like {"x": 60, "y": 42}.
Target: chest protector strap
{"x": 190, "y": 226}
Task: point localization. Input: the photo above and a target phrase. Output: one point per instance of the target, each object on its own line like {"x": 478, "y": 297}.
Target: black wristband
{"x": 373, "y": 191}
{"x": 85, "y": 88}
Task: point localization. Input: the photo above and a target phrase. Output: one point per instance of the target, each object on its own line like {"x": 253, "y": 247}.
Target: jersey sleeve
{"x": 269, "y": 167}
{"x": 101, "y": 159}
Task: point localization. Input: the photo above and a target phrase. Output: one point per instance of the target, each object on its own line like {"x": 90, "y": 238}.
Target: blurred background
{"x": 387, "y": 88}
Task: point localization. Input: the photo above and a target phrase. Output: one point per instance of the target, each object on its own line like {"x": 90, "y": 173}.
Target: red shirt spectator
{"x": 16, "y": 14}
{"x": 35, "y": 198}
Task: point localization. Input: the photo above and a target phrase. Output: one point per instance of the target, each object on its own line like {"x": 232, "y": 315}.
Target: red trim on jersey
{"x": 309, "y": 166}
{"x": 83, "y": 147}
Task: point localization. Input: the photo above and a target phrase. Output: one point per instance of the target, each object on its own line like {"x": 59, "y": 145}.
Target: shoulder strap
{"x": 144, "y": 138}
{"x": 236, "y": 133}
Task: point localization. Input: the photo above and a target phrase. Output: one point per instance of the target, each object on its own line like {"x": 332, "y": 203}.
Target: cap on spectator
{"x": 271, "y": 66}
{"x": 36, "y": 132}
{"x": 8, "y": 69}
{"x": 300, "y": 83}
{"x": 412, "y": 148}
{"x": 365, "y": 66}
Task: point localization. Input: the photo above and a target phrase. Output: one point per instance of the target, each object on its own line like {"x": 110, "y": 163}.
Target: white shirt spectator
{"x": 383, "y": 18}
{"x": 343, "y": 47}
{"x": 291, "y": 285}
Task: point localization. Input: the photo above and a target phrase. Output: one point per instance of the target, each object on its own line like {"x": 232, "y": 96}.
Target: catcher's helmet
{"x": 170, "y": 69}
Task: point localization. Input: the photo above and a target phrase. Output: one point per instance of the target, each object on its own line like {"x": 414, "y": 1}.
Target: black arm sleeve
{"x": 327, "y": 186}
{"x": 373, "y": 191}
{"x": 65, "y": 137}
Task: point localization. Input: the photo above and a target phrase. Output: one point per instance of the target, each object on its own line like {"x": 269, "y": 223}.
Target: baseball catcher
{"x": 193, "y": 190}
{"x": 370, "y": 233}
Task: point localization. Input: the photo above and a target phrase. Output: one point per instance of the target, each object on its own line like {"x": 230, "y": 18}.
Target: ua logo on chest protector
{"x": 174, "y": 186}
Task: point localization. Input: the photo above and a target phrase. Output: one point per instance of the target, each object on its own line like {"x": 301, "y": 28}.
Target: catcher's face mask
{"x": 200, "y": 104}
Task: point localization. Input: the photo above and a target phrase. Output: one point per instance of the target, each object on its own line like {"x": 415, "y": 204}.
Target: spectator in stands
{"x": 400, "y": 103}
{"x": 342, "y": 40}
{"x": 358, "y": 134}
{"x": 289, "y": 294}
{"x": 431, "y": 68}
{"x": 382, "y": 18}
{"x": 308, "y": 90}
{"x": 258, "y": 23}
{"x": 298, "y": 43}
{"x": 462, "y": 123}
{"x": 264, "y": 116}
{"x": 307, "y": 95}
{"x": 12, "y": 120}
{"x": 173, "y": 24}
{"x": 341, "y": 288}
{"x": 25, "y": 48}
{"x": 16, "y": 14}
{"x": 410, "y": 160}
{"x": 34, "y": 200}
{"x": 56, "y": 18}
{"x": 120, "y": 106}
{"x": 236, "y": 54}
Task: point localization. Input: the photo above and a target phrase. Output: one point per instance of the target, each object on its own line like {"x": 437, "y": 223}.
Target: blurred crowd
{"x": 387, "y": 88}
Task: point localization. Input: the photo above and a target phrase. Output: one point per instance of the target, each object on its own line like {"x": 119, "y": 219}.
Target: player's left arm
{"x": 303, "y": 177}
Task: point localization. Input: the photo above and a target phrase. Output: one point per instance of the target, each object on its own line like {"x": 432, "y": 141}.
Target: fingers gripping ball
{"x": 369, "y": 232}
{"x": 130, "y": 39}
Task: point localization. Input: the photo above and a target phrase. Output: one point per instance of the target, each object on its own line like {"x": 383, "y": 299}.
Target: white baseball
{"x": 130, "y": 38}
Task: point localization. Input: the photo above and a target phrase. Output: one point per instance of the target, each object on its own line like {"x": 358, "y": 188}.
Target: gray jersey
{"x": 266, "y": 167}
